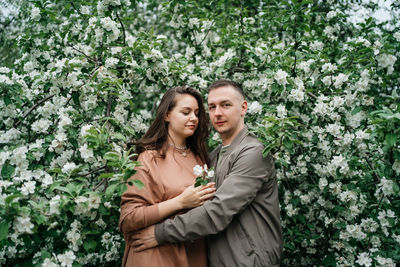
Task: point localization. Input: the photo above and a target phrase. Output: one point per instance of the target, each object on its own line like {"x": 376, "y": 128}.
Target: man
{"x": 242, "y": 222}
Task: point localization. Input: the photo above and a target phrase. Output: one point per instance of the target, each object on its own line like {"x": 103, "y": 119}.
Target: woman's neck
{"x": 177, "y": 142}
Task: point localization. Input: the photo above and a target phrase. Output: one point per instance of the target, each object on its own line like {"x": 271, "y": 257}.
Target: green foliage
{"x": 80, "y": 79}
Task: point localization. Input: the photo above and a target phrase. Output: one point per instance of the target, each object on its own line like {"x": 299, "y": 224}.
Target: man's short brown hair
{"x": 222, "y": 83}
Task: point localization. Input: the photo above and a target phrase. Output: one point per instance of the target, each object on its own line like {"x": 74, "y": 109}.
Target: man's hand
{"x": 144, "y": 239}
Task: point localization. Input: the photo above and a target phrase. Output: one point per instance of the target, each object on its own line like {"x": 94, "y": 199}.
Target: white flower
{"x": 94, "y": 202}
{"x": 296, "y": 95}
{"x": 67, "y": 258}
{"x": 397, "y": 36}
{"x": 255, "y": 107}
{"x": 41, "y": 126}
{"x": 111, "y": 62}
{"x": 210, "y": 174}
{"x": 317, "y": 46}
{"x": 35, "y": 13}
{"x": 387, "y": 262}
{"x": 280, "y": 77}
{"x": 85, "y": 10}
{"x": 364, "y": 259}
{"x": 193, "y": 22}
{"x": 48, "y": 263}
{"x": 68, "y": 167}
{"x": 86, "y": 153}
{"x": 28, "y": 188}
{"x": 84, "y": 130}
{"x": 22, "y": 224}
{"x": 54, "y": 204}
{"x": 198, "y": 170}
{"x": 331, "y": 14}
{"x": 281, "y": 111}
{"x": 339, "y": 80}
{"x": 116, "y": 50}
{"x": 64, "y": 121}
{"x": 322, "y": 183}
{"x": 396, "y": 166}
{"x": 386, "y": 61}
{"x": 47, "y": 180}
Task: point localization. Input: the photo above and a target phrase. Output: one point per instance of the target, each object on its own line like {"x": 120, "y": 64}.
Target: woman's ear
{"x": 166, "y": 118}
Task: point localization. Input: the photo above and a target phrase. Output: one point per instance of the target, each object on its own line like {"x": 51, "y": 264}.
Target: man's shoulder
{"x": 250, "y": 141}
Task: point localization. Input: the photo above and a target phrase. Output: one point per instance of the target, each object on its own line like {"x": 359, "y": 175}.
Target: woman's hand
{"x": 195, "y": 196}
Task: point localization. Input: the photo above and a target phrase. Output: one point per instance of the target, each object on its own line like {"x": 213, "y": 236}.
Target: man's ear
{"x": 244, "y": 108}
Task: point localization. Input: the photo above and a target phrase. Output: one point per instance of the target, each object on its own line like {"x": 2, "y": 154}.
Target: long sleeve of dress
{"x": 139, "y": 206}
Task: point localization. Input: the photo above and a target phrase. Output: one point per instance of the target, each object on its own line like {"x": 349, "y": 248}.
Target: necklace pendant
{"x": 184, "y": 154}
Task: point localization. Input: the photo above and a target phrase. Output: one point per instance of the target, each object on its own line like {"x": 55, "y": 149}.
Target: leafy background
{"x": 79, "y": 79}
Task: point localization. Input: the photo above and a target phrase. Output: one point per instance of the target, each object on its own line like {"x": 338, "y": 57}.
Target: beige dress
{"x": 163, "y": 179}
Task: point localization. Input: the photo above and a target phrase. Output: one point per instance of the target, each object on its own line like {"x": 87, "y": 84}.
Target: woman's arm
{"x": 191, "y": 197}
{"x": 137, "y": 211}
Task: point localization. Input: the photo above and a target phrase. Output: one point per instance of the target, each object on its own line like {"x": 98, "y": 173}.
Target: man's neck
{"x": 227, "y": 140}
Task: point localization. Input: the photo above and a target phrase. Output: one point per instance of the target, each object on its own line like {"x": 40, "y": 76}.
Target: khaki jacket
{"x": 242, "y": 221}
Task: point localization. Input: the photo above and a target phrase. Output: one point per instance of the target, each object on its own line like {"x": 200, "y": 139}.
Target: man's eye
{"x": 211, "y": 108}
{"x": 226, "y": 105}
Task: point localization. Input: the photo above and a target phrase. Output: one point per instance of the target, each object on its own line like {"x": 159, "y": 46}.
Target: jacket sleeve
{"x": 138, "y": 206}
{"x": 247, "y": 175}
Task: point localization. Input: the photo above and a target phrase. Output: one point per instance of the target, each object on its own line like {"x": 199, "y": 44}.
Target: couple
{"x": 239, "y": 223}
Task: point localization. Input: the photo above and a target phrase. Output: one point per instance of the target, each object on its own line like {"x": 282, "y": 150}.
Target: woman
{"x": 168, "y": 151}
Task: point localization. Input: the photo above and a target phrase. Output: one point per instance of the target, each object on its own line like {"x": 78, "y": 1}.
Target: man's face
{"x": 226, "y": 109}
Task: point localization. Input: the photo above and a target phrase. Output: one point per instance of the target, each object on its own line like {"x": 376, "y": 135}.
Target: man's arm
{"x": 249, "y": 172}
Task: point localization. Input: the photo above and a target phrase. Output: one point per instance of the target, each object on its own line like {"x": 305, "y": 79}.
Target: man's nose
{"x": 217, "y": 111}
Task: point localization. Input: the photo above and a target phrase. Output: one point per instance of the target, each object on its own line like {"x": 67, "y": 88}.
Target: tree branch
{"x": 32, "y": 108}
{"x": 122, "y": 25}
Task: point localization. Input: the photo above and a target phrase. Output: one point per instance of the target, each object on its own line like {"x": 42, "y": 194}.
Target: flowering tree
{"x": 85, "y": 77}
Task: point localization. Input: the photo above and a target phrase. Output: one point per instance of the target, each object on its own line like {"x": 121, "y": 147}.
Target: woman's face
{"x": 183, "y": 118}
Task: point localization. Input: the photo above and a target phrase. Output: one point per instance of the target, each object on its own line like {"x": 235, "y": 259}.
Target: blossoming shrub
{"x": 323, "y": 97}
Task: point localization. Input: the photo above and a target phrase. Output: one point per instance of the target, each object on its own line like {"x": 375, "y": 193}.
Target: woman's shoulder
{"x": 147, "y": 155}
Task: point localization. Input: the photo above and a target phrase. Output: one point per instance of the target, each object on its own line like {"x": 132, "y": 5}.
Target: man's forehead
{"x": 222, "y": 94}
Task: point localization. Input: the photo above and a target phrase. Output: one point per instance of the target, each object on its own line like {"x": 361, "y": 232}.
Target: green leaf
{"x": 111, "y": 156}
{"x": 287, "y": 143}
{"x": 3, "y": 230}
{"x": 7, "y": 171}
{"x": 10, "y": 198}
{"x": 356, "y": 110}
{"x": 7, "y": 100}
{"x": 110, "y": 190}
{"x": 396, "y": 188}
{"x": 105, "y": 175}
{"x": 390, "y": 139}
{"x": 119, "y": 136}
{"x": 90, "y": 245}
{"x": 136, "y": 183}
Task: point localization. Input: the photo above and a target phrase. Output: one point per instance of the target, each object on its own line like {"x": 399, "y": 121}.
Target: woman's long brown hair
{"x": 156, "y": 136}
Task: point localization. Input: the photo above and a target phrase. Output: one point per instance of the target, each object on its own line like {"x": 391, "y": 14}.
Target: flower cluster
{"x": 203, "y": 175}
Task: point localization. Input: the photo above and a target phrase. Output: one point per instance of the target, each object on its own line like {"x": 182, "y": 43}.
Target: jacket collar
{"x": 238, "y": 139}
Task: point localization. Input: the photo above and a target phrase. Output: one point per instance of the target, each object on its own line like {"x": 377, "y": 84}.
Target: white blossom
{"x": 363, "y": 259}
{"x": 68, "y": 167}
{"x": 387, "y": 61}
{"x": 255, "y": 107}
{"x": 198, "y": 170}
{"x": 35, "y": 13}
{"x": 280, "y": 77}
{"x": 66, "y": 259}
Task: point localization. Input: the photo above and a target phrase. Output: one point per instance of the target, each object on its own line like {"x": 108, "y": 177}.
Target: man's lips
{"x": 219, "y": 123}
